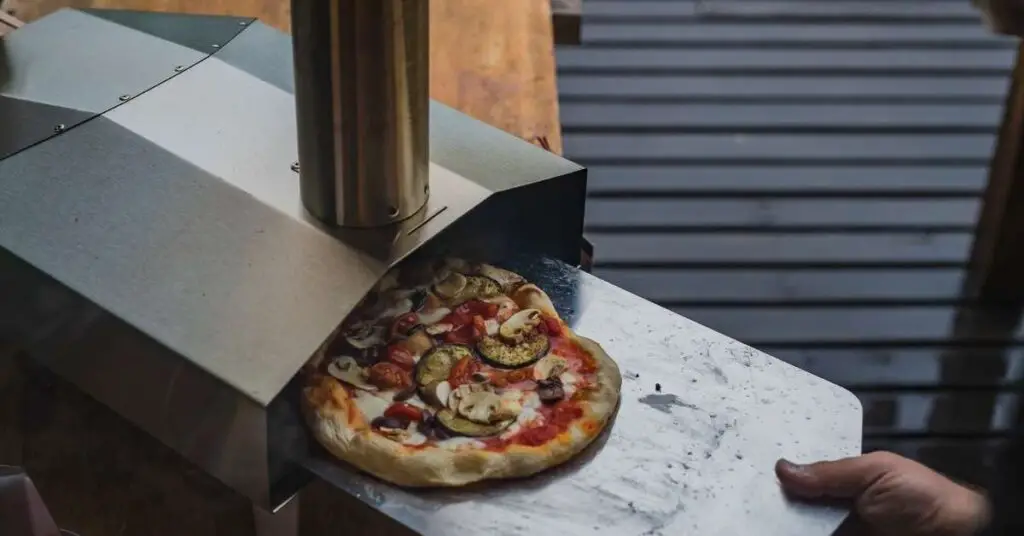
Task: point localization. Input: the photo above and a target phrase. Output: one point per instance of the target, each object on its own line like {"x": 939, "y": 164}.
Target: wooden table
{"x": 492, "y": 60}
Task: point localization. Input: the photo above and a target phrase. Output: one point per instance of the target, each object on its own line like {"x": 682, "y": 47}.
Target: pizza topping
{"x": 363, "y": 335}
{"x": 506, "y": 355}
{"x": 450, "y": 287}
{"x": 508, "y": 280}
{"x": 437, "y": 393}
{"x": 417, "y": 343}
{"x": 404, "y": 324}
{"x": 462, "y": 372}
{"x": 345, "y": 369}
{"x": 431, "y": 316}
{"x": 506, "y": 307}
{"x": 437, "y": 364}
{"x": 369, "y": 356}
{"x": 389, "y": 376}
{"x": 388, "y": 424}
{"x": 485, "y": 407}
{"x": 405, "y": 412}
{"x": 465, "y": 427}
{"x": 391, "y": 305}
{"x": 462, "y": 391}
{"x": 550, "y": 391}
{"x": 404, "y": 394}
{"x": 519, "y": 326}
{"x": 478, "y": 287}
{"x": 531, "y": 296}
{"x": 438, "y": 329}
{"x": 419, "y": 299}
{"x": 550, "y": 366}
{"x": 401, "y": 356}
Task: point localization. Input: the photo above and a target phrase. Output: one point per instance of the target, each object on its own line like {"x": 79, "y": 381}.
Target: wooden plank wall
{"x": 805, "y": 176}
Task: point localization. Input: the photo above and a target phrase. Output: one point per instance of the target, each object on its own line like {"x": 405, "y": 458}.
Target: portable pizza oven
{"x": 188, "y": 210}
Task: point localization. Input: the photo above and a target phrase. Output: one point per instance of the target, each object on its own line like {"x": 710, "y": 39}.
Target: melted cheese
{"x": 373, "y": 405}
{"x": 492, "y": 326}
{"x": 569, "y": 381}
{"x": 400, "y": 307}
{"x": 413, "y": 437}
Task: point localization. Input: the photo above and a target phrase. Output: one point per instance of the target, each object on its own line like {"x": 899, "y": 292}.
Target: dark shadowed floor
{"x": 805, "y": 176}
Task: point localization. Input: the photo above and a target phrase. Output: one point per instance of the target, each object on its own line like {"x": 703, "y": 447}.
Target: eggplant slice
{"x": 518, "y": 355}
{"x": 437, "y": 363}
{"x": 465, "y": 427}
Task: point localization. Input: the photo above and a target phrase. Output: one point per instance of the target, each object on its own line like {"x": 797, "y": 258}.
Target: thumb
{"x": 840, "y": 479}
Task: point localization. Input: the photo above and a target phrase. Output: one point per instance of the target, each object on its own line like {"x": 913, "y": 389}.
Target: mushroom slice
{"x": 465, "y": 427}
{"x": 508, "y": 280}
{"x": 530, "y": 296}
{"x": 418, "y": 342}
{"x": 520, "y": 325}
{"x": 550, "y": 366}
{"x": 480, "y": 407}
{"x": 502, "y": 354}
{"x": 506, "y": 307}
{"x": 345, "y": 369}
{"x": 464, "y": 390}
{"x": 451, "y": 286}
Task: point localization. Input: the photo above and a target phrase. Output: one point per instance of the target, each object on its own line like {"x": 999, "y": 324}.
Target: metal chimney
{"x": 362, "y": 100}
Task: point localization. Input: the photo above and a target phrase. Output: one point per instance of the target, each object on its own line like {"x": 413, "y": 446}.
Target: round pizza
{"x": 452, "y": 373}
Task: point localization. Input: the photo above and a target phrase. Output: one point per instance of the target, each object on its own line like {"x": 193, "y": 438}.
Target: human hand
{"x": 891, "y": 495}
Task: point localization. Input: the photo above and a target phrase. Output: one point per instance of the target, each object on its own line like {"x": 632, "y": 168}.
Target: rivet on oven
{"x": 125, "y": 98}
{"x": 295, "y": 167}
{"x": 243, "y": 23}
{"x": 216, "y": 46}
{"x": 179, "y": 68}
{"x": 392, "y": 212}
{"x": 60, "y": 128}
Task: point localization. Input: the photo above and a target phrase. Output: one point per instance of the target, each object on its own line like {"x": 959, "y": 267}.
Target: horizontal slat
{"x": 903, "y": 412}
{"x": 817, "y": 325}
{"x": 903, "y": 368}
{"x": 581, "y": 116}
{"x": 840, "y": 9}
{"x": 766, "y": 213}
{"x": 790, "y": 286}
{"x": 596, "y": 59}
{"x": 705, "y": 33}
{"x": 608, "y": 180}
{"x": 790, "y": 88}
{"x": 779, "y": 147}
{"x": 767, "y": 249}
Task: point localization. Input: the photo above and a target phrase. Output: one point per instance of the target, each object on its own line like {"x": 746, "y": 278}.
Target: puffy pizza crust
{"x": 339, "y": 426}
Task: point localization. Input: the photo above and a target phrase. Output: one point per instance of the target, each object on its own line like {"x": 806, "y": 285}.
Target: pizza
{"x": 451, "y": 373}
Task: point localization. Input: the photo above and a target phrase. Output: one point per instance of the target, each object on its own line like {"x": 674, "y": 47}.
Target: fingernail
{"x": 793, "y": 467}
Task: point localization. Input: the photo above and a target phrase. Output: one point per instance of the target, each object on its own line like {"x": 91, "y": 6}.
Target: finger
{"x": 840, "y": 479}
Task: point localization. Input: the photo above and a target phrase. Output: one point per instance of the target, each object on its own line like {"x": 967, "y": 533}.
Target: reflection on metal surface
{"x": 361, "y": 88}
{"x": 167, "y": 240}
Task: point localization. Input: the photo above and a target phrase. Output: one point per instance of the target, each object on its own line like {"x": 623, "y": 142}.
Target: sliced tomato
{"x": 479, "y": 328}
{"x": 401, "y": 326}
{"x": 463, "y": 371}
{"x": 463, "y": 335}
{"x": 405, "y": 412}
{"x": 401, "y": 356}
{"x": 389, "y": 376}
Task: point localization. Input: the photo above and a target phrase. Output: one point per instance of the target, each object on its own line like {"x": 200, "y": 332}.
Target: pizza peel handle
{"x": 701, "y": 422}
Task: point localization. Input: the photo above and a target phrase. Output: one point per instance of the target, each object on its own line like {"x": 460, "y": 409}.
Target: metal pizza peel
{"x": 702, "y": 420}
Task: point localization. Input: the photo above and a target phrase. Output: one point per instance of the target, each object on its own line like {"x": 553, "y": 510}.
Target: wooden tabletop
{"x": 493, "y": 60}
